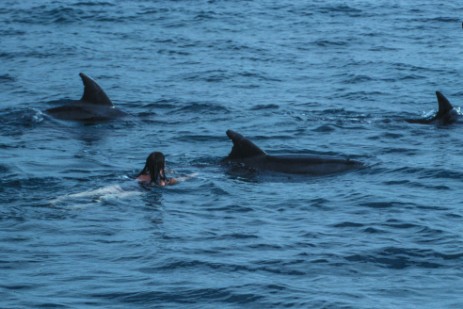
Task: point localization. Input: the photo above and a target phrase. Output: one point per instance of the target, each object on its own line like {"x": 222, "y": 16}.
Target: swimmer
{"x": 154, "y": 171}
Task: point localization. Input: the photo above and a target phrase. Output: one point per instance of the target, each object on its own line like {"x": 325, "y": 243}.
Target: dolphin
{"x": 94, "y": 105}
{"x": 445, "y": 115}
{"x": 245, "y": 153}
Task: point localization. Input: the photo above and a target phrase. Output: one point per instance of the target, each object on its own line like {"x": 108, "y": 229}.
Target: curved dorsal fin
{"x": 93, "y": 94}
{"x": 242, "y": 147}
{"x": 444, "y": 104}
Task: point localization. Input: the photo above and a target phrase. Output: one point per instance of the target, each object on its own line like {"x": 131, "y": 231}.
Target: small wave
{"x": 327, "y": 43}
{"x": 382, "y": 48}
{"x": 64, "y": 15}
{"x": 6, "y": 78}
{"x": 400, "y": 225}
{"x": 400, "y": 258}
{"x": 379, "y": 205}
{"x": 218, "y": 76}
{"x": 232, "y": 209}
{"x": 45, "y": 15}
{"x": 400, "y": 66}
{"x": 258, "y": 76}
{"x": 430, "y": 173}
{"x": 3, "y": 170}
{"x": 264, "y": 107}
{"x": 333, "y": 118}
{"x": 181, "y": 296}
{"x": 324, "y": 128}
{"x": 202, "y": 108}
{"x": 359, "y": 95}
{"x": 281, "y": 267}
{"x": 156, "y": 105}
{"x": 441, "y": 19}
{"x": 393, "y": 150}
{"x": 94, "y": 3}
{"x": 415, "y": 184}
{"x": 412, "y": 77}
{"x": 205, "y": 16}
{"x": 211, "y": 76}
{"x": 7, "y": 55}
{"x": 347, "y": 224}
{"x": 12, "y": 32}
{"x": 342, "y": 8}
{"x": 67, "y": 14}
{"x": 187, "y": 136}
{"x": 357, "y": 79}
{"x": 172, "y": 52}
{"x": 373, "y": 230}
{"x": 14, "y": 120}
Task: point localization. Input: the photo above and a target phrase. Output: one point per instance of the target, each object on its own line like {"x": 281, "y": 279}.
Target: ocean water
{"x": 324, "y": 77}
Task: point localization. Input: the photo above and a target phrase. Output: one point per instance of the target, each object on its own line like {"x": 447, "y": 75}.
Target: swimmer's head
{"x": 154, "y": 166}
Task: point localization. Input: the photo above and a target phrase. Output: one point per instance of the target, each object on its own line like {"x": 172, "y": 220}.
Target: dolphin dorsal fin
{"x": 93, "y": 94}
{"x": 242, "y": 147}
{"x": 444, "y": 104}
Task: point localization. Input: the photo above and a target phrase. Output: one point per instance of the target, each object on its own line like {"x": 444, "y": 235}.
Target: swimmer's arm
{"x": 173, "y": 181}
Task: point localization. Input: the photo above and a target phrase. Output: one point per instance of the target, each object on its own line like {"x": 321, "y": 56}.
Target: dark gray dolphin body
{"x": 93, "y": 106}
{"x": 445, "y": 115}
{"x": 246, "y": 153}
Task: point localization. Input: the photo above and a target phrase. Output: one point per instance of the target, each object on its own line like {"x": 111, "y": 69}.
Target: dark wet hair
{"x": 154, "y": 165}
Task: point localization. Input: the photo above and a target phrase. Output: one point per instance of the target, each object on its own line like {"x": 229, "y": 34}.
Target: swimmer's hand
{"x": 186, "y": 177}
{"x": 173, "y": 181}
{"x": 168, "y": 182}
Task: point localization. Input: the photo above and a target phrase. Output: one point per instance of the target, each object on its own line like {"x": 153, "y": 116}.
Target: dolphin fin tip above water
{"x": 242, "y": 147}
{"x": 93, "y": 93}
{"x": 445, "y": 115}
{"x": 94, "y": 105}
{"x": 444, "y": 105}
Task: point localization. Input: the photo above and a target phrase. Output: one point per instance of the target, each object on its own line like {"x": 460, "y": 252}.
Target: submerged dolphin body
{"x": 246, "y": 153}
{"x": 93, "y": 106}
{"x": 445, "y": 115}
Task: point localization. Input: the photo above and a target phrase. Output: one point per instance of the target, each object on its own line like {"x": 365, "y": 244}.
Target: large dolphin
{"x": 252, "y": 157}
{"x": 93, "y": 106}
{"x": 445, "y": 115}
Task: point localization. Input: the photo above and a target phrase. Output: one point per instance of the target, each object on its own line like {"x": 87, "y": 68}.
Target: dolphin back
{"x": 309, "y": 164}
{"x": 446, "y": 114}
{"x": 254, "y": 158}
{"x": 94, "y": 105}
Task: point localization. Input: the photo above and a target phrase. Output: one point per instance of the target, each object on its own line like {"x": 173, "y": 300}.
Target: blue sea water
{"x": 324, "y": 77}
